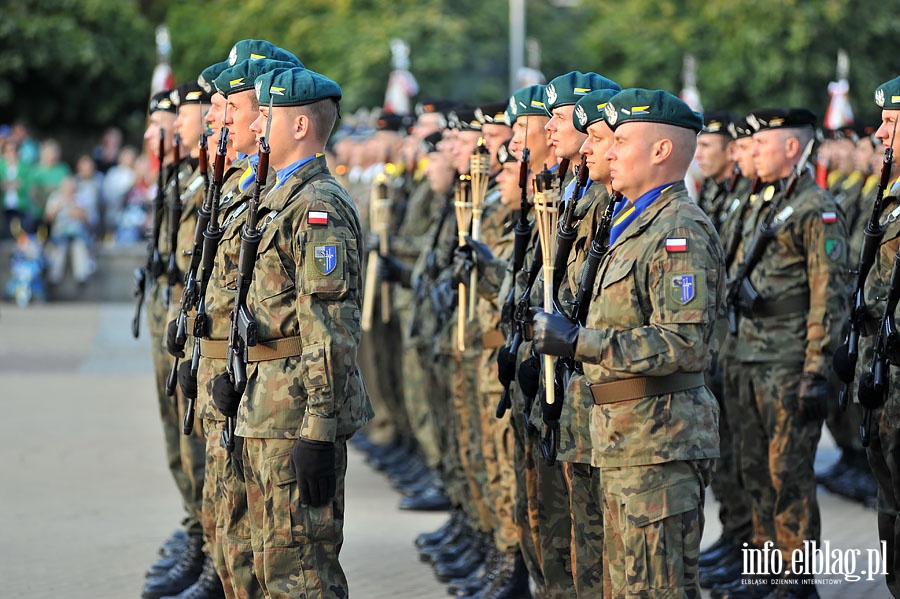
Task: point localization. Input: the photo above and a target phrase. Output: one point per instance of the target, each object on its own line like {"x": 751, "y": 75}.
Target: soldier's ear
{"x": 792, "y": 146}
{"x": 662, "y": 150}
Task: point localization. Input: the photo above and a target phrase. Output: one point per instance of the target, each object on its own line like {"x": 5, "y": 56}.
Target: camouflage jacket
{"x": 806, "y": 258}
{"x": 191, "y": 198}
{"x": 220, "y": 291}
{"x": 307, "y": 285}
{"x": 647, "y": 318}
{"x": 713, "y": 200}
{"x": 184, "y": 172}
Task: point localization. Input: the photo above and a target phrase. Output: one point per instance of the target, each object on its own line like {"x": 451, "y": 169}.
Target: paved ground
{"x": 85, "y": 498}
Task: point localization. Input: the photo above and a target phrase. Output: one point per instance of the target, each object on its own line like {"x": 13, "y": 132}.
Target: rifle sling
{"x": 273, "y": 349}
{"x": 645, "y": 386}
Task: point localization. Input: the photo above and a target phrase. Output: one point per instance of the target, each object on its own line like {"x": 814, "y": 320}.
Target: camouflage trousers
{"x": 526, "y": 508}
{"x": 466, "y": 406}
{"x": 437, "y": 373}
{"x": 186, "y": 455}
{"x": 380, "y": 429}
{"x": 416, "y": 356}
{"x": 727, "y": 483}
{"x": 884, "y": 458}
{"x": 777, "y": 455}
{"x": 497, "y": 449}
{"x": 225, "y": 525}
{"x": 652, "y": 525}
{"x": 295, "y": 548}
{"x": 586, "y": 508}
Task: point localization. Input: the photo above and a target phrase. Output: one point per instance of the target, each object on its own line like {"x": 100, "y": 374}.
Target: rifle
{"x": 176, "y": 209}
{"x": 846, "y": 356}
{"x": 874, "y": 384}
{"x": 522, "y": 232}
{"x": 742, "y": 296}
{"x": 565, "y": 235}
{"x": 153, "y": 268}
{"x": 191, "y": 291}
{"x": 204, "y": 156}
{"x": 244, "y": 333}
{"x": 431, "y": 269}
{"x": 211, "y": 238}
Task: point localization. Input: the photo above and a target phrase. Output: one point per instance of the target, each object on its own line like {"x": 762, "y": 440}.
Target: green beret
{"x": 739, "y": 128}
{"x": 463, "y": 118}
{"x": 242, "y": 76}
{"x": 526, "y": 101}
{"x": 189, "y": 92}
{"x": 637, "y": 105}
{"x": 569, "y": 88}
{"x": 492, "y": 112}
{"x": 590, "y": 108}
{"x": 887, "y": 95}
{"x": 716, "y": 122}
{"x": 259, "y": 49}
{"x": 161, "y": 102}
{"x": 503, "y": 153}
{"x": 208, "y": 76}
{"x": 297, "y": 86}
{"x": 780, "y": 118}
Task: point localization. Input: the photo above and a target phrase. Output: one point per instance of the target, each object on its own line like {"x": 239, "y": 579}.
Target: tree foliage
{"x": 750, "y": 53}
{"x": 74, "y": 63}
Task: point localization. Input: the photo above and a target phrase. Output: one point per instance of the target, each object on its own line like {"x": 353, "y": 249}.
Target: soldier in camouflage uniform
{"x": 785, "y": 340}
{"x": 714, "y": 158}
{"x": 648, "y": 338}
{"x": 185, "y": 456}
{"x": 719, "y": 561}
{"x": 568, "y": 136}
{"x": 306, "y": 396}
{"x": 884, "y": 447}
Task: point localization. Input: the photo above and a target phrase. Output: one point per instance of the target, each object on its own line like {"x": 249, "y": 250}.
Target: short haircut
{"x": 322, "y": 115}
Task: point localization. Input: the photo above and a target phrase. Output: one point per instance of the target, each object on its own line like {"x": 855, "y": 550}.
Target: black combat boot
{"x": 182, "y": 575}
{"x": 467, "y": 563}
{"x": 510, "y": 580}
{"x": 432, "y": 538}
{"x": 450, "y": 548}
{"x": 478, "y": 579}
{"x": 208, "y": 586}
{"x": 725, "y": 545}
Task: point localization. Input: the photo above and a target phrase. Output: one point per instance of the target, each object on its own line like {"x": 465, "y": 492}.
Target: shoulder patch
{"x": 829, "y": 217}
{"x": 834, "y": 249}
{"x": 676, "y": 245}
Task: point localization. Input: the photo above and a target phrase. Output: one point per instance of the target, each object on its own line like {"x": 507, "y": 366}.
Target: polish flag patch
{"x": 676, "y": 244}
{"x": 317, "y": 218}
{"x": 829, "y": 217}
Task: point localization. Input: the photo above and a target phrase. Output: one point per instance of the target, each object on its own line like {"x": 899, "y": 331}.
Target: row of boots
{"x": 722, "y": 571}
{"x": 470, "y": 564}
{"x": 183, "y": 571}
{"x": 851, "y": 477}
{"x": 402, "y": 462}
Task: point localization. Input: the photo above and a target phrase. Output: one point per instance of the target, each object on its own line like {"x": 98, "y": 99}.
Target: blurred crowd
{"x": 59, "y": 213}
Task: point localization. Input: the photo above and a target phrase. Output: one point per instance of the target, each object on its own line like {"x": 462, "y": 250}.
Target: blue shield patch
{"x": 684, "y": 288}
{"x": 325, "y": 258}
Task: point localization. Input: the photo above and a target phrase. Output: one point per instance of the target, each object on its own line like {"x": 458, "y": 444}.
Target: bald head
{"x": 645, "y": 155}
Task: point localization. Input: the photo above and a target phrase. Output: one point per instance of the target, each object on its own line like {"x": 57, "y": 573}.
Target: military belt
{"x": 273, "y": 349}
{"x": 782, "y": 307}
{"x": 645, "y": 386}
{"x": 493, "y": 339}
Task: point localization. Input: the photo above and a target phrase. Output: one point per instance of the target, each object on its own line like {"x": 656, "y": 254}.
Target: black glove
{"x": 506, "y": 366}
{"x": 225, "y": 396}
{"x": 529, "y": 377}
{"x": 554, "y": 334}
{"x": 373, "y": 241}
{"x": 462, "y": 265}
{"x": 171, "y": 345}
{"x": 389, "y": 269}
{"x": 550, "y": 414}
{"x": 481, "y": 253}
{"x": 313, "y": 463}
{"x": 186, "y": 381}
{"x": 237, "y": 458}
{"x": 812, "y": 398}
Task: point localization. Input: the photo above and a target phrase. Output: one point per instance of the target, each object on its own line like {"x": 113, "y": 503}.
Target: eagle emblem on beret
{"x": 581, "y": 115}
{"x": 512, "y": 106}
{"x": 258, "y": 86}
{"x": 611, "y": 115}
{"x": 753, "y": 122}
{"x": 175, "y": 96}
{"x": 502, "y": 154}
{"x": 879, "y": 97}
{"x": 232, "y": 56}
{"x": 551, "y": 94}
